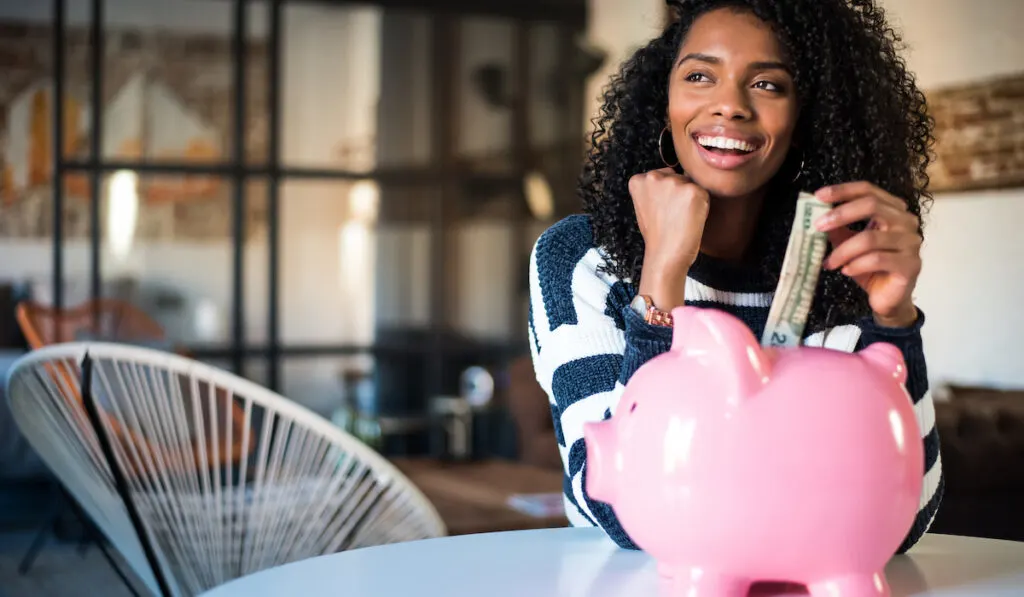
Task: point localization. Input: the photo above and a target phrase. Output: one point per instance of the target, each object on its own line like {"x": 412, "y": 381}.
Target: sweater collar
{"x": 731, "y": 276}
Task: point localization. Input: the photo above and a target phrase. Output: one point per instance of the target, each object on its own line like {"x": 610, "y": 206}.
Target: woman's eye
{"x": 697, "y": 77}
{"x": 768, "y": 86}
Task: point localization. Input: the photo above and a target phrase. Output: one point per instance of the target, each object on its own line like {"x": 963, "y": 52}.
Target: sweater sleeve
{"x": 908, "y": 340}
{"x": 586, "y": 342}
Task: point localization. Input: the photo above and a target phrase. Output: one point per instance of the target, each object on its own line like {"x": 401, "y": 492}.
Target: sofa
{"x": 981, "y": 432}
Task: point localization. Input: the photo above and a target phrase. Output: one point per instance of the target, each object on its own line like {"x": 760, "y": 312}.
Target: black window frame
{"x": 569, "y": 15}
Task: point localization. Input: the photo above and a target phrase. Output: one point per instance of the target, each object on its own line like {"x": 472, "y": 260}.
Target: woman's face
{"x": 732, "y": 104}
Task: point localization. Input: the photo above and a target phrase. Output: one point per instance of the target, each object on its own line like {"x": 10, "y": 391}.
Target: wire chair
{"x": 184, "y": 517}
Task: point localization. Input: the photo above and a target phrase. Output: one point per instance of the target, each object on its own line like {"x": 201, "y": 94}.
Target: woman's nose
{"x": 732, "y": 103}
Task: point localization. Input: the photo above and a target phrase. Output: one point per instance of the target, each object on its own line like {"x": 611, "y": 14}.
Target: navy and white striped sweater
{"x": 586, "y": 343}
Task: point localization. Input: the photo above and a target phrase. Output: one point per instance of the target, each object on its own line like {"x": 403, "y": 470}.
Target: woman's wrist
{"x": 665, "y": 283}
{"x": 902, "y": 317}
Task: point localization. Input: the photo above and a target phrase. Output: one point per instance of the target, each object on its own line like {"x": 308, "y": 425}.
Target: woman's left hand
{"x": 885, "y": 258}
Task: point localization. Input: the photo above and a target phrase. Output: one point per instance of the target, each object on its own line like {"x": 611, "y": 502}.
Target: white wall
{"x": 955, "y": 41}
{"x": 972, "y": 286}
{"x": 618, "y": 28}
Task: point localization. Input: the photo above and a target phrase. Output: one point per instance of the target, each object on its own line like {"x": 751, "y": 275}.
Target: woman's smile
{"x": 726, "y": 148}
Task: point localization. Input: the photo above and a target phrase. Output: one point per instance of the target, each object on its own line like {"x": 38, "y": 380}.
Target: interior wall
{"x": 972, "y": 286}
{"x": 617, "y": 28}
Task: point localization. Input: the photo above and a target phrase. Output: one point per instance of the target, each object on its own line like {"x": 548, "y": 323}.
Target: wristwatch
{"x": 643, "y": 305}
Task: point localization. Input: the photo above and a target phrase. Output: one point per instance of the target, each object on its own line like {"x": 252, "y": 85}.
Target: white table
{"x": 583, "y": 563}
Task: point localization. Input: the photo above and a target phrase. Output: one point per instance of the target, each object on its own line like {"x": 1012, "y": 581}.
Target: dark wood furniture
{"x": 472, "y": 497}
{"x": 981, "y": 431}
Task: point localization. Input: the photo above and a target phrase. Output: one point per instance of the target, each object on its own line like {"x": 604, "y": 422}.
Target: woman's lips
{"x": 724, "y": 161}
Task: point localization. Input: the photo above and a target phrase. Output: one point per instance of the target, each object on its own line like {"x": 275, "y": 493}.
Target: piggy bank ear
{"x": 887, "y": 359}
{"x": 724, "y": 344}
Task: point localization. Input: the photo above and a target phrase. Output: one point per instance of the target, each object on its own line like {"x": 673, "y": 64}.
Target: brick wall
{"x": 979, "y": 132}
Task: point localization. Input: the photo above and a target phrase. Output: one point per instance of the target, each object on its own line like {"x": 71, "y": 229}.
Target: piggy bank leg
{"x": 699, "y": 582}
{"x": 861, "y": 585}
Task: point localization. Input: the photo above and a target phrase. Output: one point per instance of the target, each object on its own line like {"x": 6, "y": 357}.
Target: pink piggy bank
{"x": 732, "y": 464}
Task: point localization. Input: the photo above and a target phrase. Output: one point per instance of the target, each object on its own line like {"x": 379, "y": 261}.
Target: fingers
{"x": 881, "y": 213}
{"x": 634, "y": 184}
{"x": 861, "y": 244}
{"x": 848, "y": 191}
{"x": 639, "y": 179}
{"x": 671, "y": 173}
{"x": 883, "y": 261}
{"x": 657, "y": 173}
{"x": 838, "y": 236}
{"x": 885, "y": 258}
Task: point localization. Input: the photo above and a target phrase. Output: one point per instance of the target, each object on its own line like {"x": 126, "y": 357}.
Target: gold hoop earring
{"x": 661, "y": 148}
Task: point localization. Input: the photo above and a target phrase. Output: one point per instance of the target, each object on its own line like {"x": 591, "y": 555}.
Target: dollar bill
{"x": 801, "y": 267}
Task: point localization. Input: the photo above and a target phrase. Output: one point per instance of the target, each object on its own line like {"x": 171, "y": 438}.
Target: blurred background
{"x": 357, "y": 210}
{"x": 337, "y": 200}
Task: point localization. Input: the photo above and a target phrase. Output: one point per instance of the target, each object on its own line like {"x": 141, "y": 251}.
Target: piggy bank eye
{"x": 632, "y": 407}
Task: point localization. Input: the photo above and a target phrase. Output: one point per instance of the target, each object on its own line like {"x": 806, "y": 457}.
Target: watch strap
{"x": 653, "y": 315}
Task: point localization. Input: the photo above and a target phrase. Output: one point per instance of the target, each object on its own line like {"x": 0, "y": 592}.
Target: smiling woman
{"x": 705, "y": 138}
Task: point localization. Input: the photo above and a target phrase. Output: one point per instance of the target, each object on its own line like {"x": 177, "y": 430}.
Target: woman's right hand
{"x": 671, "y": 211}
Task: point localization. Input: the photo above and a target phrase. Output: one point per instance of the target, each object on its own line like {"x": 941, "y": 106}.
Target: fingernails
{"x": 824, "y": 222}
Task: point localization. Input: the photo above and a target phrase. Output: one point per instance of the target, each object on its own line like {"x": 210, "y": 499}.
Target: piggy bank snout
{"x": 602, "y": 444}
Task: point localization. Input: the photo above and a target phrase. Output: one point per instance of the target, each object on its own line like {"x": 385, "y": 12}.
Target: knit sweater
{"x": 587, "y": 341}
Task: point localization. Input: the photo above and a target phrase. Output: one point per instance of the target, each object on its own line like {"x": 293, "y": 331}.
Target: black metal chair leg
{"x": 83, "y": 543}
{"x": 47, "y": 526}
{"x": 92, "y": 534}
{"x": 35, "y": 547}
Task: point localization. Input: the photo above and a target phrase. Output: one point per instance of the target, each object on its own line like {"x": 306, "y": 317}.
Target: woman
{"x": 705, "y": 138}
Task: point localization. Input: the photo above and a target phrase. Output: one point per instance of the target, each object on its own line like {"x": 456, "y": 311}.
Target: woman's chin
{"x": 742, "y": 181}
{"x": 731, "y": 185}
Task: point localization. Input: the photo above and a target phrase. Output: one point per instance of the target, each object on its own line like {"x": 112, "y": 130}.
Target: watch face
{"x": 639, "y": 305}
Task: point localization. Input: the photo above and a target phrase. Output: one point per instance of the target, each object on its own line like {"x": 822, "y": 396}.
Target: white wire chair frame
{"x": 212, "y": 506}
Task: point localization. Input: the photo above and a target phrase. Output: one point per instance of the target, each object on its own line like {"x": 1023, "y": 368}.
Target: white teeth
{"x": 725, "y": 143}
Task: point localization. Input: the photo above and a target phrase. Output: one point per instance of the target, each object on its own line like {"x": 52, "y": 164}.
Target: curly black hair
{"x": 862, "y": 117}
